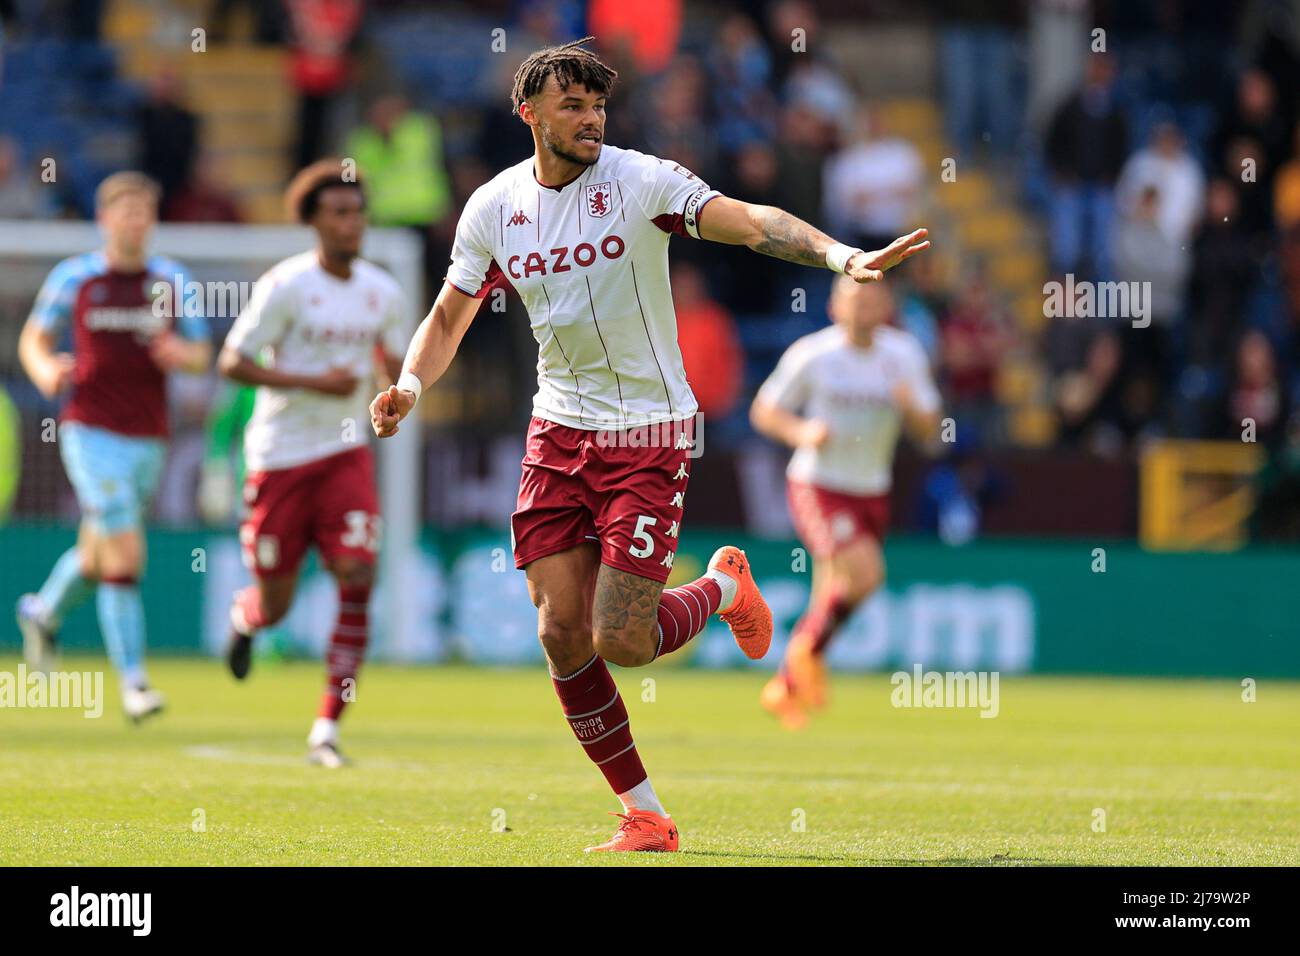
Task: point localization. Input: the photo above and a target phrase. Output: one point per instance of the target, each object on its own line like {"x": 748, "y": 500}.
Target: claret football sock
{"x": 683, "y": 611}
{"x": 346, "y": 651}
{"x": 595, "y": 711}
{"x": 823, "y": 618}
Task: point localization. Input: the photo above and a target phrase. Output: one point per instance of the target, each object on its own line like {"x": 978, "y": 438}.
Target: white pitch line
{"x": 213, "y": 752}
{"x": 235, "y": 755}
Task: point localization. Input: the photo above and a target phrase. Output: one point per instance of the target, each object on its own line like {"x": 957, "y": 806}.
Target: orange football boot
{"x": 641, "y": 831}
{"x": 777, "y": 700}
{"x": 808, "y": 673}
{"x": 749, "y": 618}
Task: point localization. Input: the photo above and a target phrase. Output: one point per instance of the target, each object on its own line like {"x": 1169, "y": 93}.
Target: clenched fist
{"x": 388, "y": 409}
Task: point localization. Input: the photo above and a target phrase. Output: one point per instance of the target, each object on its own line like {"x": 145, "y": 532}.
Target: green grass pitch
{"x": 1185, "y": 771}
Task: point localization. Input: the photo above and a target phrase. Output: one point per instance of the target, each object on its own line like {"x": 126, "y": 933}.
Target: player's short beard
{"x": 549, "y": 143}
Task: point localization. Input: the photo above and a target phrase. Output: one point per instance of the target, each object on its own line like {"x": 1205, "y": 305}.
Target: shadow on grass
{"x": 779, "y": 858}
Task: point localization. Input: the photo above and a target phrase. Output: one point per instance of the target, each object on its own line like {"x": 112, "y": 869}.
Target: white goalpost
{"x": 223, "y": 252}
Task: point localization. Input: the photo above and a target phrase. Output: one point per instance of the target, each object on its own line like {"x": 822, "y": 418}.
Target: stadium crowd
{"x": 1148, "y": 156}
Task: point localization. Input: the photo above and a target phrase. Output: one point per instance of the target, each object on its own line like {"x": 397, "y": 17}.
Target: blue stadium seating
{"x": 63, "y": 98}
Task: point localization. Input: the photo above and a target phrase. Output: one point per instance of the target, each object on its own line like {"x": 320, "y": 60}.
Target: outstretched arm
{"x": 432, "y": 349}
{"x": 774, "y": 232}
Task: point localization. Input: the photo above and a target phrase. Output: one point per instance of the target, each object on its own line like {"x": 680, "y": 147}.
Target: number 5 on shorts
{"x": 642, "y": 535}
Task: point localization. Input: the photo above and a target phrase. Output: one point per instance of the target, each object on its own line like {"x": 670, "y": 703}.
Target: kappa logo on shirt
{"x": 599, "y": 198}
{"x": 518, "y": 219}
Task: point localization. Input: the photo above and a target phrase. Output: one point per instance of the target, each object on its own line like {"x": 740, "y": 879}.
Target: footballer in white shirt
{"x": 838, "y": 397}
{"x": 580, "y": 230}
{"x": 308, "y": 339}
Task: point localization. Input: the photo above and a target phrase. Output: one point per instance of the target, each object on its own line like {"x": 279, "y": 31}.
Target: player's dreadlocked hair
{"x": 569, "y": 63}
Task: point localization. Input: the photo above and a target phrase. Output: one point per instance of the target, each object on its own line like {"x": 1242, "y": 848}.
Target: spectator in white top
{"x": 1144, "y": 252}
{"x": 871, "y": 186}
{"x": 1166, "y": 166}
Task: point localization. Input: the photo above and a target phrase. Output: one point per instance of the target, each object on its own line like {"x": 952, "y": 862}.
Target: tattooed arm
{"x": 774, "y": 232}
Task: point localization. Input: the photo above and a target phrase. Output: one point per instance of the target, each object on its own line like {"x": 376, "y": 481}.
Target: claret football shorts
{"x": 827, "y": 520}
{"x": 605, "y": 487}
{"x": 330, "y": 503}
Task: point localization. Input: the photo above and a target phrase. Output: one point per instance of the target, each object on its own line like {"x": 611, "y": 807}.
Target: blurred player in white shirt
{"x": 838, "y": 397}
{"x": 308, "y": 339}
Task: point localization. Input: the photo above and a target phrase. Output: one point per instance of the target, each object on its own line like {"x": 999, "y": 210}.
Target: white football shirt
{"x": 306, "y": 321}
{"x": 590, "y": 261}
{"x": 824, "y": 375}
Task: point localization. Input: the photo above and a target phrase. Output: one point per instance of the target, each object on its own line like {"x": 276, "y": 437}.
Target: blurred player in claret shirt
{"x": 838, "y": 397}
{"x": 314, "y": 321}
{"x": 580, "y": 229}
{"x": 129, "y": 327}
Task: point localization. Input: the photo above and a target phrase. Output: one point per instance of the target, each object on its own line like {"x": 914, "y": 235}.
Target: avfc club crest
{"x": 599, "y": 200}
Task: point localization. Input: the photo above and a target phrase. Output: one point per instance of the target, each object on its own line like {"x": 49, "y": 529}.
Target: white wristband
{"x": 410, "y": 382}
{"x": 838, "y": 256}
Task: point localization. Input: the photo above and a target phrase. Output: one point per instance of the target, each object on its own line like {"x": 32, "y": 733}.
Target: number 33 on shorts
{"x": 363, "y": 531}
